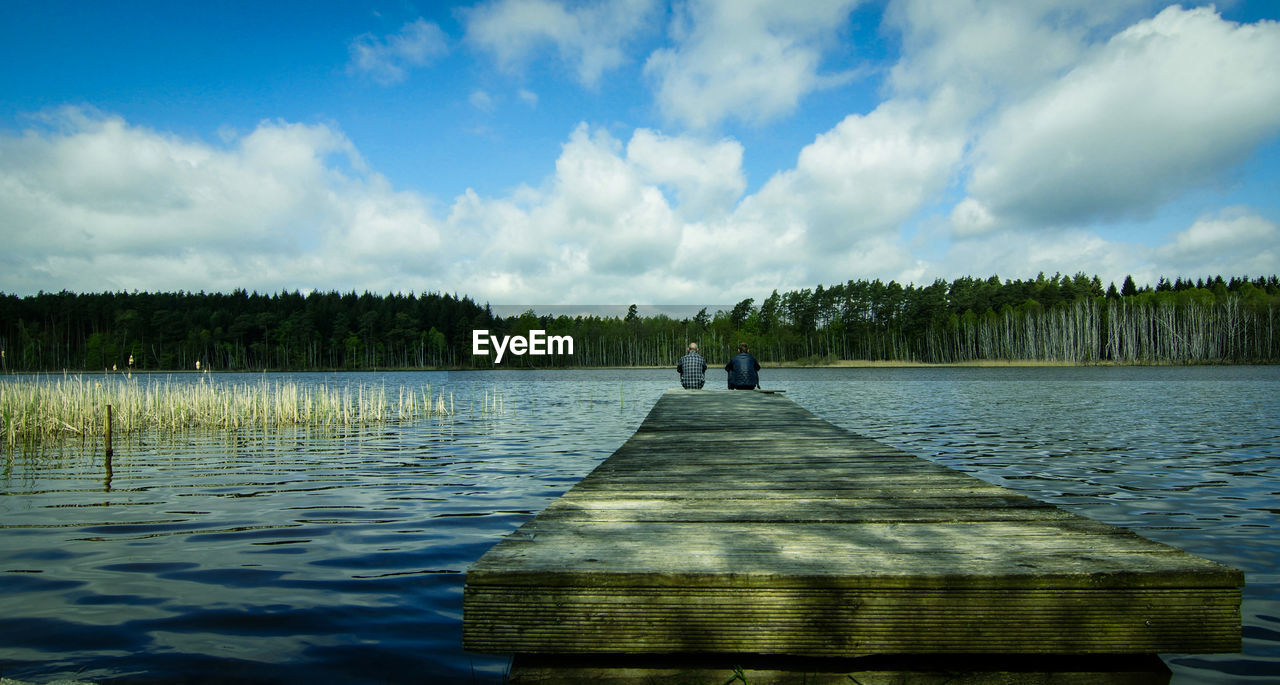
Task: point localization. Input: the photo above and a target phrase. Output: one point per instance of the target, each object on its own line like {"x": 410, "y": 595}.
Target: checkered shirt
{"x": 693, "y": 370}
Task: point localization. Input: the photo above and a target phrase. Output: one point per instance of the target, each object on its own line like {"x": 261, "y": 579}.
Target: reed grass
{"x": 33, "y": 411}
{"x": 491, "y": 402}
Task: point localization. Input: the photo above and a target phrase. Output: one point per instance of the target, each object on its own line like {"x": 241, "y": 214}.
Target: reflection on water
{"x": 339, "y": 557}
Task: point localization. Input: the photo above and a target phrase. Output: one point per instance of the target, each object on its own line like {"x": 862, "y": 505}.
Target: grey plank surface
{"x": 740, "y": 522}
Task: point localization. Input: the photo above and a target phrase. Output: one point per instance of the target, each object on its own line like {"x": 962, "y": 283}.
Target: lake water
{"x": 315, "y": 556}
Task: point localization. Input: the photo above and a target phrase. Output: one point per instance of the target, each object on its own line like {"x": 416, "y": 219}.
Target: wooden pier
{"x": 738, "y": 522}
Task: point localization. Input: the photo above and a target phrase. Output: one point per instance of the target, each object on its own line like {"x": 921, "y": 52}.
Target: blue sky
{"x": 541, "y": 151}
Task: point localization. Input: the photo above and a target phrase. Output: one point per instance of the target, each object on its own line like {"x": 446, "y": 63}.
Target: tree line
{"x": 236, "y": 331}
{"x": 1054, "y": 318}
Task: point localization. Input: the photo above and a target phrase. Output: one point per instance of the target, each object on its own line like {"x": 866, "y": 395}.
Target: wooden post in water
{"x": 108, "y": 437}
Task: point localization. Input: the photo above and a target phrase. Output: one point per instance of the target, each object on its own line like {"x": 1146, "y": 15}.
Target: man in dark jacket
{"x": 743, "y": 370}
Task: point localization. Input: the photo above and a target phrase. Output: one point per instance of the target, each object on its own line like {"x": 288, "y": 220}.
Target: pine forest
{"x": 1066, "y": 319}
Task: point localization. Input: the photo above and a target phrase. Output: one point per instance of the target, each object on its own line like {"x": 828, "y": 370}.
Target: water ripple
{"x": 339, "y": 556}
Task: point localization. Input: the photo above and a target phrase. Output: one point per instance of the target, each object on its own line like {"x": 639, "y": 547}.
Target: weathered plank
{"x": 718, "y": 669}
{"x": 739, "y": 522}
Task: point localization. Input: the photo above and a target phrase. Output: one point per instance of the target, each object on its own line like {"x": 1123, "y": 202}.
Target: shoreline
{"x": 839, "y": 364}
{"x": 899, "y": 364}
{"x": 980, "y": 363}
{"x": 832, "y": 364}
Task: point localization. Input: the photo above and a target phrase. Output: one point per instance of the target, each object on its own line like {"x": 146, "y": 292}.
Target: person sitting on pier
{"x": 743, "y": 370}
{"x": 692, "y": 368}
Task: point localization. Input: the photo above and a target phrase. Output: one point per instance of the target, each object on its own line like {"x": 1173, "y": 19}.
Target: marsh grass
{"x": 491, "y": 402}
{"x": 36, "y": 411}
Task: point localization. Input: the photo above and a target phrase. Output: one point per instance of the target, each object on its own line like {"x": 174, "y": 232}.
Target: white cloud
{"x": 1233, "y": 242}
{"x": 971, "y": 217}
{"x": 1164, "y": 106}
{"x": 863, "y": 179}
{"x": 1049, "y": 127}
{"x": 388, "y": 60}
{"x": 602, "y": 210}
{"x": 987, "y": 50}
{"x": 93, "y": 203}
{"x": 752, "y": 60}
{"x": 706, "y": 178}
{"x": 591, "y": 38}
{"x": 99, "y": 204}
{"x": 592, "y": 233}
{"x": 1017, "y": 254}
{"x": 482, "y": 101}
{"x": 1073, "y": 134}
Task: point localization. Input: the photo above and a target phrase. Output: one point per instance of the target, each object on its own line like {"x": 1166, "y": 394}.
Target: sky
{"x": 558, "y": 152}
